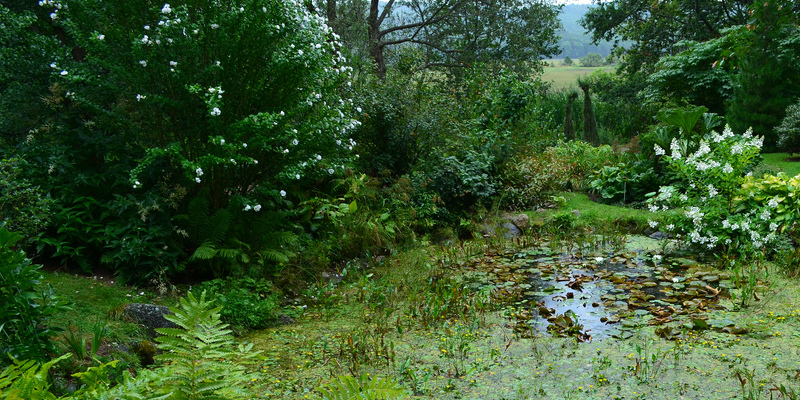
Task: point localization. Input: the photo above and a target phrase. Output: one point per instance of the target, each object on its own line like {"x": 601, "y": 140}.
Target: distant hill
{"x": 575, "y": 41}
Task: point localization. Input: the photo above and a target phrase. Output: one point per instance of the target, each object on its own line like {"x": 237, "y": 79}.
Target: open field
{"x": 565, "y": 77}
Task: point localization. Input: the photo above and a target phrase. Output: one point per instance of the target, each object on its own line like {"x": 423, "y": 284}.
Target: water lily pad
{"x": 720, "y": 323}
{"x": 699, "y": 323}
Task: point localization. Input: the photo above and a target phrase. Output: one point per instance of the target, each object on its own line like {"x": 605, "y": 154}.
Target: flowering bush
{"x": 241, "y": 98}
{"x": 789, "y": 130}
{"x": 246, "y": 100}
{"x": 708, "y": 190}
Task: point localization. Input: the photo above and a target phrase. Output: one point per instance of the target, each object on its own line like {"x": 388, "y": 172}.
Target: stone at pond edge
{"x": 150, "y": 316}
{"x": 507, "y": 229}
{"x": 660, "y": 235}
{"x": 522, "y": 221}
{"x": 510, "y": 226}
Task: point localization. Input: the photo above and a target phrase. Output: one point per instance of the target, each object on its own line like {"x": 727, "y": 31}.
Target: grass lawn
{"x": 592, "y": 213}
{"x": 96, "y": 300}
{"x": 779, "y": 160}
{"x": 564, "y": 77}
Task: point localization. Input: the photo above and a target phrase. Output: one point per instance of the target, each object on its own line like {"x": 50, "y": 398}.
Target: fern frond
{"x": 274, "y": 255}
{"x": 218, "y": 226}
{"x": 230, "y": 254}
{"x": 198, "y": 216}
{"x": 366, "y": 387}
{"x": 282, "y": 237}
{"x": 382, "y": 388}
{"x": 199, "y": 353}
{"x": 206, "y": 251}
{"x": 26, "y": 380}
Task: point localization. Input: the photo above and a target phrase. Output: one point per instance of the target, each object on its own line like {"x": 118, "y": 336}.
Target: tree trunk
{"x": 331, "y": 13}
{"x": 589, "y": 124}
{"x": 569, "y": 129}
{"x": 376, "y": 47}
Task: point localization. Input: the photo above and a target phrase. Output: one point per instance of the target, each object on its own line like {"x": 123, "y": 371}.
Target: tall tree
{"x": 589, "y": 123}
{"x": 654, "y": 27}
{"x": 768, "y": 78}
{"x": 455, "y": 33}
{"x": 569, "y": 128}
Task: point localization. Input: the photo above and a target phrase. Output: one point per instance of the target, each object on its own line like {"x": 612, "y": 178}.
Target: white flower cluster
{"x": 55, "y": 5}
{"x": 675, "y": 148}
{"x": 255, "y": 208}
{"x": 710, "y": 220}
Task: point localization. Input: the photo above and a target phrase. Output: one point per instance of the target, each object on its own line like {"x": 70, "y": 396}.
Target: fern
{"x": 209, "y": 232}
{"x": 27, "y": 380}
{"x": 198, "y": 355}
{"x": 365, "y": 387}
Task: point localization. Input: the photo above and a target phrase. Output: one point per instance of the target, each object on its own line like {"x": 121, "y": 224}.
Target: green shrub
{"x": 24, "y": 207}
{"x": 247, "y": 303}
{"x": 462, "y": 182}
{"x": 401, "y": 122}
{"x": 620, "y": 108}
{"x": 160, "y": 103}
{"x": 625, "y": 182}
{"x": 592, "y": 60}
{"x": 25, "y": 304}
{"x": 528, "y": 180}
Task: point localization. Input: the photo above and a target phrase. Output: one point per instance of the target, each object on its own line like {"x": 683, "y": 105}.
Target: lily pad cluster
{"x": 588, "y": 297}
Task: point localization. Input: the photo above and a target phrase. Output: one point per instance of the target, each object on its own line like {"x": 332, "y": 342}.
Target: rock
{"x": 522, "y": 221}
{"x": 150, "y": 316}
{"x": 510, "y": 226}
{"x": 576, "y": 213}
{"x": 659, "y": 235}
{"x": 510, "y": 230}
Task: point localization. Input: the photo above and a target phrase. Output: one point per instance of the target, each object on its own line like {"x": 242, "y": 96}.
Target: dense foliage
{"x": 653, "y": 28}
{"x": 25, "y": 305}
{"x": 743, "y": 68}
{"x": 199, "y": 361}
{"x": 148, "y": 118}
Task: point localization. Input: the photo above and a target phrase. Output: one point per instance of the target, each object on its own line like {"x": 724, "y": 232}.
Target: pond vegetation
{"x": 218, "y": 199}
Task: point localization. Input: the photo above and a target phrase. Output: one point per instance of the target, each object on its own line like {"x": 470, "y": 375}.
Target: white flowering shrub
{"x": 239, "y": 96}
{"x": 243, "y": 102}
{"x": 708, "y": 194}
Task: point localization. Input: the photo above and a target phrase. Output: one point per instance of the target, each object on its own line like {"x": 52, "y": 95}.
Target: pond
{"x": 476, "y": 321}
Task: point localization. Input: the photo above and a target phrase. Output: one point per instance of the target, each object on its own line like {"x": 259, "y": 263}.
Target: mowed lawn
{"x": 784, "y": 161}
{"x": 564, "y": 77}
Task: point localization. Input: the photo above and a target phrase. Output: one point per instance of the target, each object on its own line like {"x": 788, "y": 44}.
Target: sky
{"x": 573, "y": 1}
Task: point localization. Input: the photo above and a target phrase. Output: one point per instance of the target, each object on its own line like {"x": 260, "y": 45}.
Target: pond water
{"x": 593, "y": 297}
{"x": 661, "y": 328}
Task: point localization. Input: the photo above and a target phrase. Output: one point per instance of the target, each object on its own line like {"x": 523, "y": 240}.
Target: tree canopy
{"x": 452, "y": 33}
{"x": 653, "y": 28}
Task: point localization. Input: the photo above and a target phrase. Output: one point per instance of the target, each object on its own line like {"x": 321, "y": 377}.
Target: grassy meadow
{"x": 563, "y": 76}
